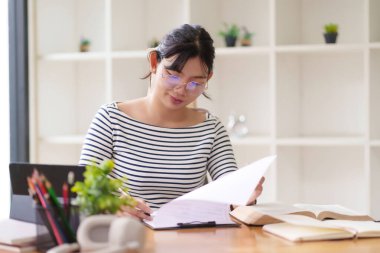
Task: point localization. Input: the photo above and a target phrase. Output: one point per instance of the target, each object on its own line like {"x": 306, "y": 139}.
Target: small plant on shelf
{"x": 97, "y": 193}
{"x": 84, "y": 45}
{"x": 230, "y": 33}
{"x": 246, "y": 40}
{"x": 331, "y": 32}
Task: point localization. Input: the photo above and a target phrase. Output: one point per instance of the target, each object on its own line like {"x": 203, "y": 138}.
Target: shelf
{"x": 142, "y": 54}
{"x": 222, "y": 51}
{"x": 374, "y": 143}
{"x": 374, "y": 45}
{"x": 249, "y": 140}
{"x": 138, "y": 54}
{"x": 320, "y": 48}
{"x": 321, "y": 141}
{"x": 64, "y": 139}
{"x": 88, "y": 56}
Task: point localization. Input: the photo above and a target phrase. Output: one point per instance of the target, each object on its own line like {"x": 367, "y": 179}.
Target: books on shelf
{"x": 267, "y": 213}
{"x": 303, "y": 228}
{"x": 209, "y": 205}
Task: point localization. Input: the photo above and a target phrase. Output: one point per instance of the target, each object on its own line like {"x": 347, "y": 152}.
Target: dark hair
{"x": 187, "y": 41}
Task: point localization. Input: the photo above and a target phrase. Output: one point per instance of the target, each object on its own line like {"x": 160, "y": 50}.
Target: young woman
{"x": 164, "y": 147}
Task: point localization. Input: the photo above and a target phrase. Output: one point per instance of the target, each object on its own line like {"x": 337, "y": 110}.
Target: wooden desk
{"x": 245, "y": 239}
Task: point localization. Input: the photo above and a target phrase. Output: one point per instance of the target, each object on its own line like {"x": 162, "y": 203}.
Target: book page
{"x": 261, "y": 214}
{"x": 317, "y": 209}
{"x": 361, "y": 228}
{"x": 234, "y": 188}
{"x": 277, "y": 208}
{"x": 302, "y": 220}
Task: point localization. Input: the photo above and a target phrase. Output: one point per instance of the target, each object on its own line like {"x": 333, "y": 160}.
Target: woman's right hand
{"x": 141, "y": 210}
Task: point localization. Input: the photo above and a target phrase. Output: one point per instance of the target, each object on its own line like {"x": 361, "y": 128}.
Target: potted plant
{"x": 96, "y": 194}
{"x": 84, "y": 45}
{"x": 331, "y": 33}
{"x": 230, "y": 34}
{"x": 246, "y": 40}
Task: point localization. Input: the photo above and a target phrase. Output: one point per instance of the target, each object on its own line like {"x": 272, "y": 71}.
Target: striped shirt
{"x": 160, "y": 163}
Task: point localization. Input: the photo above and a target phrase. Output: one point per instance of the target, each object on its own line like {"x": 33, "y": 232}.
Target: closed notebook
{"x": 262, "y": 214}
{"x": 12, "y": 248}
{"x": 14, "y": 232}
{"x": 302, "y": 228}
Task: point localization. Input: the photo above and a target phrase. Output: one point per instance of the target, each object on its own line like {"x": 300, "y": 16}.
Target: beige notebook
{"x": 262, "y": 214}
{"x": 14, "y": 232}
{"x": 302, "y": 228}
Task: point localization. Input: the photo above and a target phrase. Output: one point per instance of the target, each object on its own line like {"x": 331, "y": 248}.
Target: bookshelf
{"x": 315, "y": 105}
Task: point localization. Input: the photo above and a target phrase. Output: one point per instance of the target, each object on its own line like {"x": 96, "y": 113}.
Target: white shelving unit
{"x": 314, "y": 105}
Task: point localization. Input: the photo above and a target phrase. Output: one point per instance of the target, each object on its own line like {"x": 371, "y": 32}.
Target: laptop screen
{"x": 21, "y": 202}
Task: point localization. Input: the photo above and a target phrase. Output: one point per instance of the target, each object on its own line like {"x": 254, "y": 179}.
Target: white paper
{"x": 190, "y": 211}
{"x": 212, "y": 201}
{"x": 234, "y": 188}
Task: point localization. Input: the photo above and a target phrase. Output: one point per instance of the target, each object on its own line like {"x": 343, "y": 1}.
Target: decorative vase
{"x": 230, "y": 41}
{"x": 330, "y": 38}
{"x": 84, "y": 48}
{"x": 246, "y": 42}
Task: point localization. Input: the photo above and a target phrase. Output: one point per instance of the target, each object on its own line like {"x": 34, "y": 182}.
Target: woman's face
{"x": 178, "y": 89}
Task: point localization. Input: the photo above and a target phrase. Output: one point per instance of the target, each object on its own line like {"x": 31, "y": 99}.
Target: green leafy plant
{"x": 85, "y": 42}
{"x": 230, "y": 30}
{"x": 97, "y": 193}
{"x": 247, "y": 35}
{"x": 246, "y": 39}
{"x": 331, "y": 28}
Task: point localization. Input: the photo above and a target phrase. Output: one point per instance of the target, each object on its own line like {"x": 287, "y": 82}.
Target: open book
{"x": 209, "y": 205}
{"x": 302, "y": 228}
{"x": 262, "y": 214}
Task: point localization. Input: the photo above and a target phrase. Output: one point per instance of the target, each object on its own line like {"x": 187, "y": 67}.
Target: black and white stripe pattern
{"x": 160, "y": 163}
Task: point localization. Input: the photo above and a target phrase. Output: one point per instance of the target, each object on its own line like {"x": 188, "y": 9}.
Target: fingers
{"x": 143, "y": 206}
{"x": 257, "y": 192}
{"x": 141, "y": 210}
{"x": 261, "y": 182}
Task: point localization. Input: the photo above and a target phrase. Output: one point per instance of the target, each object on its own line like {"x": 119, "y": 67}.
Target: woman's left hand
{"x": 256, "y": 193}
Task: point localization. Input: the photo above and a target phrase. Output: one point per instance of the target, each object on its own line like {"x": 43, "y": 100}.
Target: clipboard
{"x": 195, "y": 224}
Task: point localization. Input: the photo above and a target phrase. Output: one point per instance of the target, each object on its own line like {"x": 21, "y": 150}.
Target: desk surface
{"x": 244, "y": 239}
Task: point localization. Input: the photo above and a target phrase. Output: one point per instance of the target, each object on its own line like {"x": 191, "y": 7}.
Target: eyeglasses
{"x": 173, "y": 81}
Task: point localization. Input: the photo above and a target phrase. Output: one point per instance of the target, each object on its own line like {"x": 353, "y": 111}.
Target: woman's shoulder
{"x": 206, "y": 114}
{"x": 120, "y": 106}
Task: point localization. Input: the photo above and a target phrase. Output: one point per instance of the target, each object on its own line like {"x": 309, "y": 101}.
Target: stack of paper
{"x": 211, "y": 203}
{"x": 17, "y": 236}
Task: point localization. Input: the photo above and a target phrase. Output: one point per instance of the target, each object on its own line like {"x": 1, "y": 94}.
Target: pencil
{"x": 57, "y": 234}
{"x": 57, "y": 204}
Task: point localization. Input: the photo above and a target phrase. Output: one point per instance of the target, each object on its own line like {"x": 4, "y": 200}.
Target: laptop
{"x": 21, "y": 202}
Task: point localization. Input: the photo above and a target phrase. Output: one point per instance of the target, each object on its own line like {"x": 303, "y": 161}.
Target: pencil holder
{"x": 55, "y": 226}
